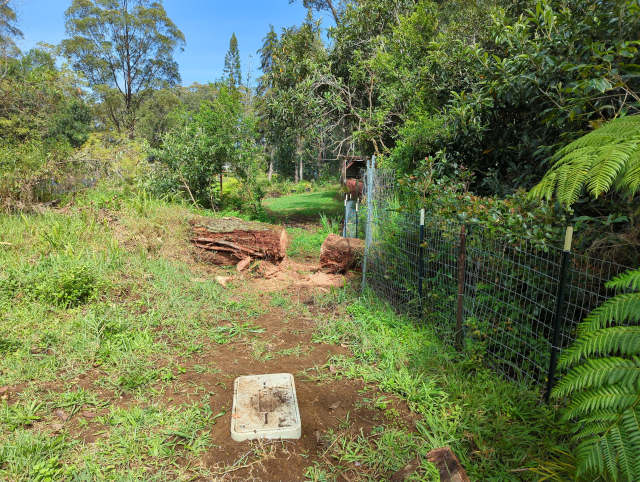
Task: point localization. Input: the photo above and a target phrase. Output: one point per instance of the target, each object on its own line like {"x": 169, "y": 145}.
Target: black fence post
{"x": 420, "y": 262}
{"x": 564, "y": 269}
{"x": 462, "y": 261}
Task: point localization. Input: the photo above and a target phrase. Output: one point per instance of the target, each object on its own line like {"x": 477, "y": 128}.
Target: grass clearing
{"x": 305, "y": 206}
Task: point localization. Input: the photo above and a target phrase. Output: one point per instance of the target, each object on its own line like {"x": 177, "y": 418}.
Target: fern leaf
{"x": 631, "y": 424}
{"x": 624, "y": 307}
{"x": 599, "y": 372}
{"x": 630, "y": 280}
{"x": 607, "y": 165}
{"x": 606, "y": 158}
{"x": 623, "y": 340}
{"x": 607, "y": 399}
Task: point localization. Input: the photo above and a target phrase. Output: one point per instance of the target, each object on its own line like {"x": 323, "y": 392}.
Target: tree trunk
{"x": 339, "y": 254}
{"x": 270, "y": 174}
{"x": 226, "y": 241}
{"x": 301, "y": 169}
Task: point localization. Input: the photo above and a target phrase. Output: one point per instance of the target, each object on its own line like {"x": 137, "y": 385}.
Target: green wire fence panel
{"x": 496, "y": 296}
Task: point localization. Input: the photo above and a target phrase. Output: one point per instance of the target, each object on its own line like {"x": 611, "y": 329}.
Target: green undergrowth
{"x": 499, "y": 429}
{"x": 306, "y": 242}
{"x": 107, "y": 288}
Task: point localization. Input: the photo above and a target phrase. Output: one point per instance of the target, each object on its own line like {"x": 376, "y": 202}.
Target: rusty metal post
{"x": 462, "y": 261}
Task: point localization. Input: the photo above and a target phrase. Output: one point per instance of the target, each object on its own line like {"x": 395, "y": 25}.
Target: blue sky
{"x": 206, "y": 24}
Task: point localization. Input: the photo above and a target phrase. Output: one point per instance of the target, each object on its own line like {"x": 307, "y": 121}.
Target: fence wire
{"x": 353, "y": 220}
{"x": 509, "y": 290}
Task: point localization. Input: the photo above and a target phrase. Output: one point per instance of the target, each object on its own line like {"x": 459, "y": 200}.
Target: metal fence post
{"x": 420, "y": 261}
{"x": 346, "y": 219}
{"x": 462, "y": 261}
{"x": 356, "y": 236}
{"x": 564, "y": 269}
{"x": 368, "y": 194}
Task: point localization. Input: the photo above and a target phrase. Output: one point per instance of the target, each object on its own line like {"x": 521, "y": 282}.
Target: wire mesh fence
{"x": 352, "y": 220}
{"x": 507, "y": 297}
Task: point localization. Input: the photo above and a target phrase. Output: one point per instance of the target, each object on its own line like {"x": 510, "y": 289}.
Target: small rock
{"x": 223, "y": 280}
{"x": 57, "y": 427}
{"x": 62, "y": 416}
{"x": 333, "y": 369}
{"x": 89, "y": 414}
{"x": 335, "y": 405}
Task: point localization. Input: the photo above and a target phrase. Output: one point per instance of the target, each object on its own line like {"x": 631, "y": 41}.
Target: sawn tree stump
{"x": 339, "y": 254}
{"x": 228, "y": 241}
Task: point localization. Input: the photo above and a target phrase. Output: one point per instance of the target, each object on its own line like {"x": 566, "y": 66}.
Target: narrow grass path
{"x": 305, "y": 207}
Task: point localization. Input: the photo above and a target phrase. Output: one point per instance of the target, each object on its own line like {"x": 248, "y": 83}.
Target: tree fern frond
{"x": 628, "y": 181}
{"x": 610, "y": 452}
{"x": 606, "y": 391}
{"x": 607, "y": 165}
{"x": 599, "y": 372}
{"x": 631, "y": 426}
{"x": 629, "y": 279}
{"x": 622, "y": 340}
{"x": 608, "y": 399}
{"x": 624, "y": 307}
{"x": 601, "y": 159}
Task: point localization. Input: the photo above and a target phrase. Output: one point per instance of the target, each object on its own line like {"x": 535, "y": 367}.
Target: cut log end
{"x": 339, "y": 254}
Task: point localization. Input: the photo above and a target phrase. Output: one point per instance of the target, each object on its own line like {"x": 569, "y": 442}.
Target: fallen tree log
{"x": 339, "y": 254}
{"x": 231, "y": 240}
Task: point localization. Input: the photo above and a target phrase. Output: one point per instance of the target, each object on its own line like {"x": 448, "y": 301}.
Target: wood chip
{"x": 335, "y": 405}
{"x": 242, "y": 265}
{"x": 448, "y": 465}
{"x": 235, "y": 415}
{"x": 62, "y": 416}
{"x": 406, "y": 471}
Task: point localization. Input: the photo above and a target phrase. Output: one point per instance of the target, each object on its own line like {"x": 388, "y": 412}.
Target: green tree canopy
{"x": 8, "y": 32}
{"x": 232, "y": 66}
{"x": 125, "y": 49}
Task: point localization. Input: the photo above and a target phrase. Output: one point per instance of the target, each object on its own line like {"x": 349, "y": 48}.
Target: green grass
{"x": 305, "y": 206}
{"x": 306, "y": 242}
{"x": 109, "y": 287}
{"x": 499, "y": 429}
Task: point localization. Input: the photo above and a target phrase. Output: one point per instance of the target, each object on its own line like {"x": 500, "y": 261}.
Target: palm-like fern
{"x": 604, "y": 385}
{"x": 606, "y": 158}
